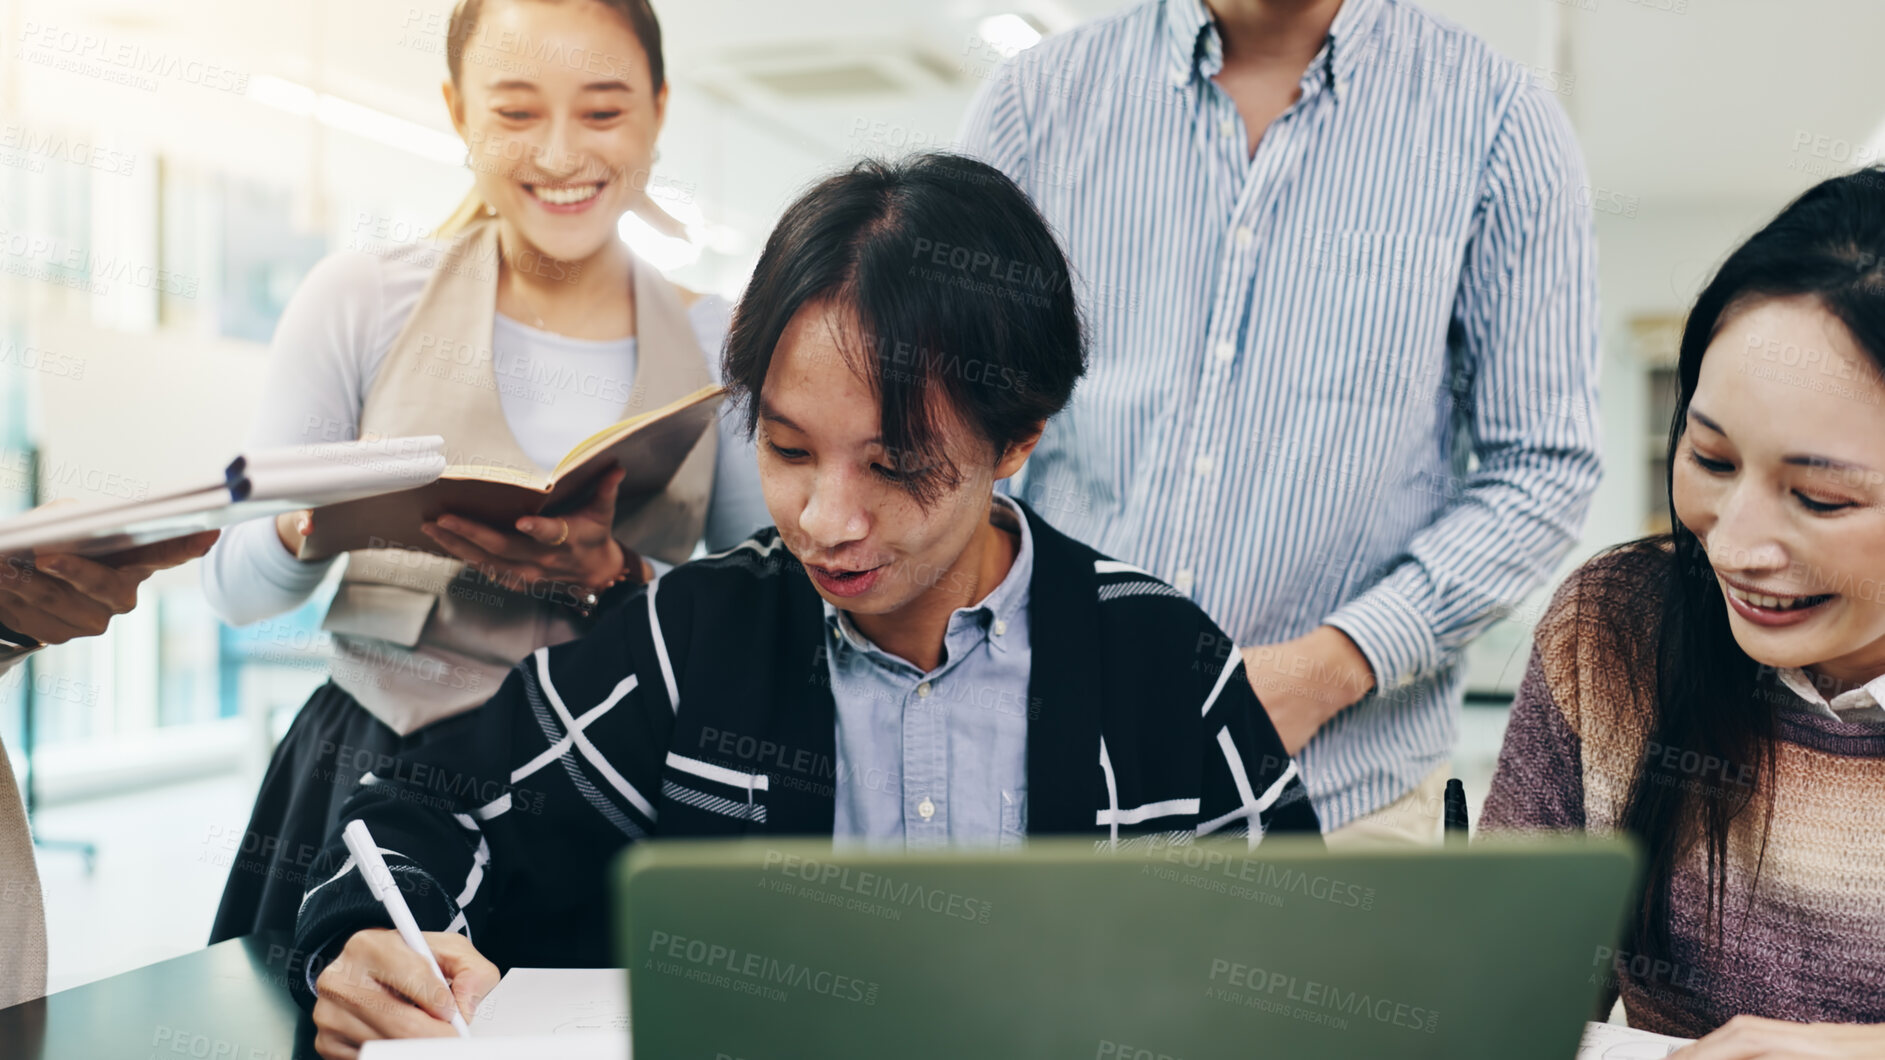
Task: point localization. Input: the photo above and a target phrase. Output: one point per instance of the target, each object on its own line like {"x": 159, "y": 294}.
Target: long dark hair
{"x": 1828, "y": 245}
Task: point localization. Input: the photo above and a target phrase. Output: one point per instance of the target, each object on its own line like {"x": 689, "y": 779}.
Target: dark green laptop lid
{"x": 765, "y": 950}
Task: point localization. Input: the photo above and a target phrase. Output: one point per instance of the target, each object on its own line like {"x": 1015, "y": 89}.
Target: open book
{"x": 255, "y": 485}
{"x": 650, "y": 447}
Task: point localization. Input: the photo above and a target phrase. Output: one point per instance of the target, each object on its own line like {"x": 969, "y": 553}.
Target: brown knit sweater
{"x": 1810, "y": 945}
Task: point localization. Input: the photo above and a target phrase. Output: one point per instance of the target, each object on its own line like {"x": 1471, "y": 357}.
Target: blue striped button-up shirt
{"x": 1349, "y": 379}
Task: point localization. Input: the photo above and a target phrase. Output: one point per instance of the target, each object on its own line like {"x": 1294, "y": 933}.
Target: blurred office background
{"x": 168, "y": 173}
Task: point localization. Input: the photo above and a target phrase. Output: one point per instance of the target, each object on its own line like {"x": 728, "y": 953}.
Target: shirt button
{"x": 1204, "y": 464}
{"x": 1225, "y": 351}
{"x": 1001, "y": 626}
{"x": 1227, "y": 127}
{"x": 1182, "y": 581}
{"x": 922, "y": 692}
{"x": 926, "y": 809}
{"x": 1244, "y": 236}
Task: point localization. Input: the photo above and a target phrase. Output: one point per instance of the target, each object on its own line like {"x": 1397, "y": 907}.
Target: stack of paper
{"x": 253, "y": 486}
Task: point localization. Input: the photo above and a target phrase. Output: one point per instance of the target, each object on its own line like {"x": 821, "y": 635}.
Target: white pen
{"x": 385, "y": 890}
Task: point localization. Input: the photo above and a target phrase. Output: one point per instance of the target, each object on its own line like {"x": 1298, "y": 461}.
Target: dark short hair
{"x": 959, "y": 292}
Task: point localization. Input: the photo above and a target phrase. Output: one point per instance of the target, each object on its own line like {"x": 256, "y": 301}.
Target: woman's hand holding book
{"x": 576, "y": 550}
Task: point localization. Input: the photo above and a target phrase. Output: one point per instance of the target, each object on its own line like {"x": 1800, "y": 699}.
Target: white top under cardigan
{"x": 555, "y": 391}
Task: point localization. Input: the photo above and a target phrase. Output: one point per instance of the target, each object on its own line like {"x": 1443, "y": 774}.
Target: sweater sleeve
{"x": 321, "y": 360}
{"x": 1539, "y": 784}
{"x": 1251, "y": 785}
{"x": 530, "y": 793}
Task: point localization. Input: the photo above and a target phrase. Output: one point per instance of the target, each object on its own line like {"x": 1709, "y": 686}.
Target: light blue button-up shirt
{"x": 938, "y": 758}
{"x": 1350, "y": 379}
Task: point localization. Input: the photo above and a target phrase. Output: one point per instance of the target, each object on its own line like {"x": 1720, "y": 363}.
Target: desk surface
{"x": 227, "y": 1002}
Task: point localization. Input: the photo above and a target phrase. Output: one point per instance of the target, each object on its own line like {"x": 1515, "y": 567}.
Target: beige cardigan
{"x": 22, "y": 916}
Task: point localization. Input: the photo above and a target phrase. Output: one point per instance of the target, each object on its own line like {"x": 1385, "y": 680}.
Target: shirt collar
{"x": 1195, "y": 48}
{"x": 1857, "y": 704}
{"x": 997, "y": 613}
{"x": 1186, "y": 21}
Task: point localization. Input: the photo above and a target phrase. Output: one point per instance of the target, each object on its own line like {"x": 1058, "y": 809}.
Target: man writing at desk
{"x": 906, "y": 659}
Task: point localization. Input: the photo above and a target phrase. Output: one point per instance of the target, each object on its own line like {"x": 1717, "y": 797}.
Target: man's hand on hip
{"x": 1303, "y": 683}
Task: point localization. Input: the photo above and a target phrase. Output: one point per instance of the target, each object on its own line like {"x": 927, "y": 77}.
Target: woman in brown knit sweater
{"x": 1717, "y": 691}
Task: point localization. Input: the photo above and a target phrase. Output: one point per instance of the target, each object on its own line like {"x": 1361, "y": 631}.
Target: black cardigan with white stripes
{"x": 701, "y": 706}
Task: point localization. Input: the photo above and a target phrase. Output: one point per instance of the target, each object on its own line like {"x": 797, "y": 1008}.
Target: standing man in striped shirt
{"x": 1338, "y": 262}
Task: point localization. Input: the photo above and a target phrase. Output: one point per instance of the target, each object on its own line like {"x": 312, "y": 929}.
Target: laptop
{"x": 769, "y": 950}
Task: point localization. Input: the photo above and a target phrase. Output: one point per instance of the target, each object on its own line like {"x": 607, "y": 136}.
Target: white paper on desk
{"x": 540, "y": 1013}
{"x": 611, "y": 1045}
{"x": 555, "y": 1001}
{"x": 1614, "y": 1041}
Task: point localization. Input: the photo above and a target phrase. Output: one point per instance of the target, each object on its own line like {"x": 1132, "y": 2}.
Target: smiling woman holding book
{"x": 527, "y": 327}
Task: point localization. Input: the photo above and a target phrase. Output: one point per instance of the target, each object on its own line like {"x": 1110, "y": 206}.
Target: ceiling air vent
{"x": 842, "y": 79}
{"x": 832, "y": 69}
